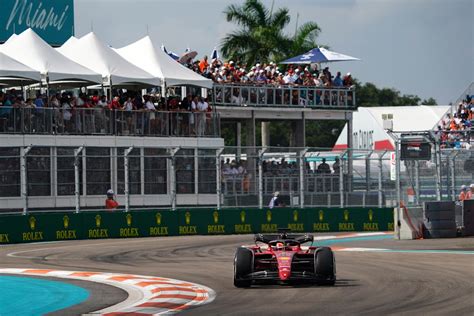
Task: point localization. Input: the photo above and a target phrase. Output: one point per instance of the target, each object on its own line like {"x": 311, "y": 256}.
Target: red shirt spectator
{"x": 115, "y": 104}
{"x": 110, "y": 202}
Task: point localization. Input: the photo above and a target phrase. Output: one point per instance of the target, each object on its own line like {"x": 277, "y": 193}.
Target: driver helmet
{"x": 279, "y": 245}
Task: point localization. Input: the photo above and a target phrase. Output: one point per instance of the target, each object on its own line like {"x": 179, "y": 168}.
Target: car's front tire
{"x": 243, "y": 265}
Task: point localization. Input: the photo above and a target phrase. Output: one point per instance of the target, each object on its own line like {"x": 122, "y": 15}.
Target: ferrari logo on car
{"x": 321, "y": 215}
{"x": 158, "y": 218}
{"x": 346, "y": 215}
{"x": 242, "y": 216}
{"x": 371, "y": 215}
{"x": 129, "y": 219}
{"x": 98, "y": 219}
{"x": 32, "y": 222}
{"x": 295, "y": 215}
{"x": 66, "y": 222}
{"x": 187, "y": 218}
{"x": 215, "y": 215}
{"x": 269, "y": 216}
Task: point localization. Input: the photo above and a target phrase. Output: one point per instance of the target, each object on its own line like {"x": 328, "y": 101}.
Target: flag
{"x": 214, "y": 54}
{"x": 173, "y": 55}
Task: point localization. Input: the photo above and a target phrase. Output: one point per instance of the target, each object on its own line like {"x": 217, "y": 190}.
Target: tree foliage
{"x": 368, "y": 94}
{"x": 260, "y": 36}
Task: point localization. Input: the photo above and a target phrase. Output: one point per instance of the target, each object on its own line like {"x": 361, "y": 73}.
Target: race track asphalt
{"x": 369, "y": 283}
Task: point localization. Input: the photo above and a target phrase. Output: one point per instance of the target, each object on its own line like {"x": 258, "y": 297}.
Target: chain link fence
{"x": 147, "y": 177}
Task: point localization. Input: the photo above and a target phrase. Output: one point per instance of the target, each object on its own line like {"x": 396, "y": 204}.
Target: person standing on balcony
{"x": 347, "y": 81}
{"x": 324, "y": 167}
{"x": 336, "y": 166}
{"x": 202, "y": 107}
{"x": 470, "y": 193}
{"x": 128, "y": 107}
{"x": 275, "y": 201}
{"x": 110, "y": 202}
{"x": 203, "y": 64}
{"x": 463, "y": 194}
{"x": 337, "y": 82}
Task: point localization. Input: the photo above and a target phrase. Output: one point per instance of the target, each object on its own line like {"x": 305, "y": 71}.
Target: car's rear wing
{"x": 283, "y": 235}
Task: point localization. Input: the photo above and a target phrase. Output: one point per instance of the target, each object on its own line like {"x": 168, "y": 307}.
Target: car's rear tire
{"x": 325, "y": 266}
{"x": 243, "y": 265}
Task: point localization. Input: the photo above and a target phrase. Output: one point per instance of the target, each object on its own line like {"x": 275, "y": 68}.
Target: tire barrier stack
{"x": 468, "y": 218}
{"x": 439, "y": 219}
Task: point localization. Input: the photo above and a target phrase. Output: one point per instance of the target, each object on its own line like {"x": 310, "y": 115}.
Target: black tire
{"x": 243, "y": 265}
{"x": 440, "y": 225}
{"x": 440, "y": 215}
{"x": 325, "y": 266}
{"x": 441, "y": 233}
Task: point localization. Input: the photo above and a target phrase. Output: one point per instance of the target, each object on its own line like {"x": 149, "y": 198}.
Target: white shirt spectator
{"x": 202, "y": 106}
{"x": 150, "y": 106}
{"x": 103, "y": 103}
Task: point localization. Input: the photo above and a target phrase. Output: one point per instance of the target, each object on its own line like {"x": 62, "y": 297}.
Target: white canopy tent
{"x": 368, "y": 129}
{"x": 29, "y": 49}
{"x": 15, "y": 73}
{"x": 90, "y": 52}
{"x": 144, "y": 54}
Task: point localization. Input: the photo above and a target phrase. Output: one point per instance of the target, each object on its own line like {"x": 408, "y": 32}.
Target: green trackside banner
{"x": 98, "y": 225}
{"x": 52, "y": 20}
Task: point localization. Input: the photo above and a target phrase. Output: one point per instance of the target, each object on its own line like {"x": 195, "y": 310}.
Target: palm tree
{"x": 261, "y": 37}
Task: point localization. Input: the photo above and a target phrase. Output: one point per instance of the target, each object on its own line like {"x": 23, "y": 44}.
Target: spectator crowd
{"x": 456, "y": 129}
{"x": 269, "y": 74}
{"x": 75, "y": 113}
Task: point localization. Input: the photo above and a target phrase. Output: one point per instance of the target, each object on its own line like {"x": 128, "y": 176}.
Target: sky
{"x": 422, "y": 47}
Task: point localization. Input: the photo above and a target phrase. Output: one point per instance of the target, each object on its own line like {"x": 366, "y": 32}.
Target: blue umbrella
{"x": 318, "y": 55}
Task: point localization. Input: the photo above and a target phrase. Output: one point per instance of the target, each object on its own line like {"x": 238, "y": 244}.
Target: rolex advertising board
{"x": 52, "y": 20}
{"x": 37, "y": 227}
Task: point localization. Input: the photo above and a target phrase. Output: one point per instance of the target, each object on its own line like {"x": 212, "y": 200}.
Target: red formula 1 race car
{"x": 281, "y": 258}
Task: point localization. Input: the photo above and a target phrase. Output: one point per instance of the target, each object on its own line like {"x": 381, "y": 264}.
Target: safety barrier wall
{"x": 94, "y": 225}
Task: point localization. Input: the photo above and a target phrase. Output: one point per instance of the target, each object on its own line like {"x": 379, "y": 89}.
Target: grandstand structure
{"x": 48, "y": 162}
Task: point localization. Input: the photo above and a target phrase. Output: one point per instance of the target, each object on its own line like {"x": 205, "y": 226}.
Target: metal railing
{"x": 97, "y": 121}
{"x": 283, "y": 96}
{"x": 59, "y": 176}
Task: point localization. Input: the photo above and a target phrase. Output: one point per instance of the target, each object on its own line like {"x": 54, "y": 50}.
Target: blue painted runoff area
{"x": 327, "y": 242}
{"x": 30, "y": 296}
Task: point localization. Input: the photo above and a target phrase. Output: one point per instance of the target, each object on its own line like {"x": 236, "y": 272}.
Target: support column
{"x": 265, "y": 134}
{"x": 126, "y": 178}
{"x": 417, "y": 182}
{"x": 341, "y": 180}
{"x": 380, "y": 176}
{"x": 250, "y": 140}
{"x": 438, "y": 170}
{"x": 302, "y": 167}
{"x": 172, "y": 152}
{"x": 350, "y": 147}
{"x": 453, "y": 177}
{"x": 218, "y": 177}
{"x": 398, "y": 185}
{"x": 367, "y": 172}
{"x": 300, "y": 132}
{"x": 77, "y": 190}
{"x": 24, "y": 181}
{"x": 260, "y": 177}
{"x": 238, "y": 142}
